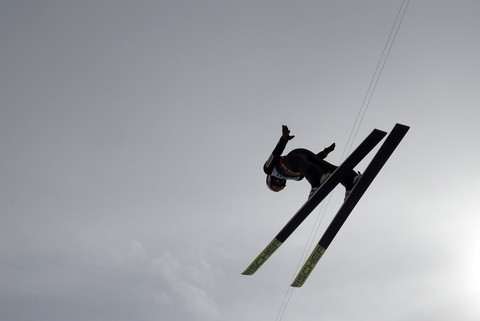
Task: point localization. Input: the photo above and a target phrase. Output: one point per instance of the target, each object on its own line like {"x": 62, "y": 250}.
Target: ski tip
{"x": 405, "y": 127}
{"x": 379, "y": 132}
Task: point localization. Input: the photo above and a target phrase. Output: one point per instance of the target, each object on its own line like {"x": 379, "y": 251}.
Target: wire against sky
{"x": 353, "y": 133}
{"x": 376, "y": 76}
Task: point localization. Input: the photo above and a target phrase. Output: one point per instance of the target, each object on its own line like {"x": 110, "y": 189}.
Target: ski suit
{"x": 300, "y": 163}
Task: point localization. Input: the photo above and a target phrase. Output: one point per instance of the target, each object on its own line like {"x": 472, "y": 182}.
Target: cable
{"x": 307, "y": 249}
{"x": 351, "y": 139}
{"x": 376, "y": 76}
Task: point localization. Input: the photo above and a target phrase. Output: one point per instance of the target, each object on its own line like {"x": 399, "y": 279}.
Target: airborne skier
{"x": 300, "y": 163}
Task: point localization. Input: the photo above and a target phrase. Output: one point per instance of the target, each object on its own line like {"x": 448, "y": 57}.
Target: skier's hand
{"x": 286, "y": 133}
{"x": 328, "y": 149}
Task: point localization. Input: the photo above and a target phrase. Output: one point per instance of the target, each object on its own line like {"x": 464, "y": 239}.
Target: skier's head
{"x": 275, "y": 184}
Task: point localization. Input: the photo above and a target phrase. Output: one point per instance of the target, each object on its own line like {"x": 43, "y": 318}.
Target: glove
{"x": 286, "y": 133}
{"x": 328, "y": 149}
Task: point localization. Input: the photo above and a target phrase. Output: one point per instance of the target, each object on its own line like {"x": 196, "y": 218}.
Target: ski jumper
{"x": 300, "y": 163}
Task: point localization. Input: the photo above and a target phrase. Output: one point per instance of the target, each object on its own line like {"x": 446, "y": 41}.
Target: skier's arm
{"x": 277, "y": 152}
{"x": 326, "y": 151}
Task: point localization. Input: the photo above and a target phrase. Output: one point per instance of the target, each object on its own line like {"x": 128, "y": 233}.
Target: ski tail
{"x": 378, "y": 161}
{"x": 309, "y": 265}
{"x": 262, "y": 257}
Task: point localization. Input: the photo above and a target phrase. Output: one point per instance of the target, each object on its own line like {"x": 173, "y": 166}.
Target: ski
{"x": 380, "y": 158}
{"x": 355, "y": 157}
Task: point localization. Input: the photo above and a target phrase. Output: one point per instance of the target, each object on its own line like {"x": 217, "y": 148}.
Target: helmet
{"x": 275, "y": 184}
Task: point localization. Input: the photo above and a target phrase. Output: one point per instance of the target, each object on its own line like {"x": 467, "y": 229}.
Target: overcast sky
{"x": 133, "y": 135}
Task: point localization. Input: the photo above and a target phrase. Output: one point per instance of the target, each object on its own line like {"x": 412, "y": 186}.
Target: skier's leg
{"x": 314, "y": 169}
{"x": 347, "y": 180}
{"x": 300, "y": 160}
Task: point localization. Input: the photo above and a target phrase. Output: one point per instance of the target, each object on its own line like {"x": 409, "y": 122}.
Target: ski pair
{"x": 372, "y": 170}
{"x": 376, "y": 164}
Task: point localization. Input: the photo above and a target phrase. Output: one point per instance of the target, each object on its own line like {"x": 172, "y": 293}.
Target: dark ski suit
{"x": 300, "y": 163}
